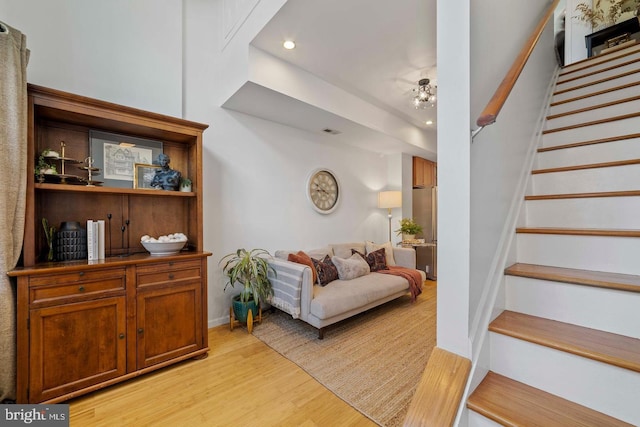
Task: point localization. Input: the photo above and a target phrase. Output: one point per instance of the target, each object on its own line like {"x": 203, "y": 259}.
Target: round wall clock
{"x": 323, "y": 190}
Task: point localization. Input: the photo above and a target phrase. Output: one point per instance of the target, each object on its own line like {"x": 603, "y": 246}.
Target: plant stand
{"x": 250, "y": 320}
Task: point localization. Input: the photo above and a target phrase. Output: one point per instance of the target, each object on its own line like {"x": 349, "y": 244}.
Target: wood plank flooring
{"x": 242, "y": 383}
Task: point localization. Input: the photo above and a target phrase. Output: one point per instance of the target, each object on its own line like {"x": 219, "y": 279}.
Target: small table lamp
{"x": 389, "y": 200}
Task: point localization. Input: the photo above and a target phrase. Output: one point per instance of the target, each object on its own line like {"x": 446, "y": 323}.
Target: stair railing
{"x": 495, "y": 104}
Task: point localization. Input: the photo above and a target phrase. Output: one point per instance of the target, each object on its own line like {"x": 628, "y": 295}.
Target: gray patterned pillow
{"x": 352, "y": 267}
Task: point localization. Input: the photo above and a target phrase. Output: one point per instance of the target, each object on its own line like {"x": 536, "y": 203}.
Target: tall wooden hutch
{"x": 83, "y": 325}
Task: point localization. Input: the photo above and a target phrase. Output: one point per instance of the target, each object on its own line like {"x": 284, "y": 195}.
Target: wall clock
{"x": 323, "y": 190}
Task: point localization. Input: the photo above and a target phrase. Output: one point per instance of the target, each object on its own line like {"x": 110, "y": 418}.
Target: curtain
{"x": 13, "y": 164}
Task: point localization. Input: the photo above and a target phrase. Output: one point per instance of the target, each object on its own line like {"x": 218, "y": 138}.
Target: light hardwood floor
{"x": 242, "y": 383}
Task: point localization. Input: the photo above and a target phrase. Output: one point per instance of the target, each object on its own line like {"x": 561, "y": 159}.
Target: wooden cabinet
{"x": 424, "y": 173}
{"x": 83, "y": 325}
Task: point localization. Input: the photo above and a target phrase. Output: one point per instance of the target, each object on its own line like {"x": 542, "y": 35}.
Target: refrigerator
{"x": 425, "y": 213}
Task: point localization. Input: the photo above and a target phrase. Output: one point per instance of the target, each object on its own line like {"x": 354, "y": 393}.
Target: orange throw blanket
{"x": 412, "y": 276}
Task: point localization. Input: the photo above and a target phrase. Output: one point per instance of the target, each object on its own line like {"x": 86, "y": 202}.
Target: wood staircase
{"x": 566, "y": 349}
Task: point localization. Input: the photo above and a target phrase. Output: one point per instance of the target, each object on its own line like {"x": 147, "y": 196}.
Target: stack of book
{"x": 95, "y": 239}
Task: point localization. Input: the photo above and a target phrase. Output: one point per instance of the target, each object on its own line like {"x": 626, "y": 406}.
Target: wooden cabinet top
{"x": 134, "y": 259}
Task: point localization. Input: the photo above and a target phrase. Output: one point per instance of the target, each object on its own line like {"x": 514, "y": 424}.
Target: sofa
{"x": 391, "y": 273}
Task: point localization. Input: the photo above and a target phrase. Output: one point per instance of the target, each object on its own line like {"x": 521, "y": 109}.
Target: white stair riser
{"x": 477, "y": 420}
{"x": 612, "y": 96}
{"x": 617, "y": 311}
{"x": 626, "y": 149}
{"x": 587, "y": 79}
{"x": 597, "y": 253}
{"x": 592, "y": 132}
{"x": 615, "y": 178}
{"x": 619, "y": 81}
{"x": 596, "y": 114}
{"x": 602, "y": 387}
{"x": 596, "y": 61}
{"x": 590, "y": 212}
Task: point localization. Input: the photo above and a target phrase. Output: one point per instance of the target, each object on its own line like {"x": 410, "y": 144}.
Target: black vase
{"x": 70, "y": 242}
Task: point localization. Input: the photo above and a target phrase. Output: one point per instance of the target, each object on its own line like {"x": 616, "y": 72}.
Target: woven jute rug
{"x": 372, "y": 361}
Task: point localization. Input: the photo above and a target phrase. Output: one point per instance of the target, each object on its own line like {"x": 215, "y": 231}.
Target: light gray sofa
{"x": 321, "y": 306}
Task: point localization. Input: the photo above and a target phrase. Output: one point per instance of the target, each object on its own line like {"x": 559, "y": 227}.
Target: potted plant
{"x": 605, "y": 13}
{"x": 408, "y": 228}
{"x": 185, "y": 184}
{"x": 249, "y": 269}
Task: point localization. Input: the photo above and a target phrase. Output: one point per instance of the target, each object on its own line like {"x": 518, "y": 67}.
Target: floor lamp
{"x": 389, "y": 200}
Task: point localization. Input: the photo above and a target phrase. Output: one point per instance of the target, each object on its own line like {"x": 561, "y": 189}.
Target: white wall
{"x": 501, "y": 154}
{"x": 254, "y": 170}
{"x": 575, "y": 47}
{"x": 120, "y": 51}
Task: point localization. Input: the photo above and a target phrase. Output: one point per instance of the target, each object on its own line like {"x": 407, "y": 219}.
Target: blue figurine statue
{"x": 165, "y": 177}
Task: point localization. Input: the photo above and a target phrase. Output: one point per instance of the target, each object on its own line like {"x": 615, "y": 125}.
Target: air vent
{"x": 331, "y": 131}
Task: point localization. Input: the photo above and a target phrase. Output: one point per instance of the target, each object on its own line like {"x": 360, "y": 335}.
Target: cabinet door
{"x": 169, "y": 321}
{"x": 418, "y": 172}
{"x": 73, "y": 346}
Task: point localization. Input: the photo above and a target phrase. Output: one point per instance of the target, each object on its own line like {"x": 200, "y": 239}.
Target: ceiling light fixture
{"x": 425, "y": 95}
{"x": 289, "y": 44}
{"x": 429, "y": 122}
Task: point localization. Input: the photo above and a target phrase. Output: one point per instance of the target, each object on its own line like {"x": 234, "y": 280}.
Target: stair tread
{"x": 595, "y": 82}
{"x": 588, "y": 63}
{"x": 590, "y": 142}
{"x": 588, "y": 166}
{"x": 627, "y": 193}
{"x": 592, "y": 123}
{"x": 579, "y": 231}
{"x": 592, "y": 94}
{"x": 601, "y": 279}
{"x": 512, "y": 403}
{"x": 606, "y": 347}
{"x": 594, "y": 72}
{"x": 593, "y": 107}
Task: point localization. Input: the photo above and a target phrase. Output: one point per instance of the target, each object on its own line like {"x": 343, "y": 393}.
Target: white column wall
{"x": 454, "y": 185}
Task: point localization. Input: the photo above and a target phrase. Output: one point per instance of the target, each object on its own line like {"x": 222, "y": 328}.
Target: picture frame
{"x": 143, "y": 174}
{"x": 116, "y": 156}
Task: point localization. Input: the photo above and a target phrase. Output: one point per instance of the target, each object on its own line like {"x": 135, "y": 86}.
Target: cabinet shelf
{"x": 112, "y": 190}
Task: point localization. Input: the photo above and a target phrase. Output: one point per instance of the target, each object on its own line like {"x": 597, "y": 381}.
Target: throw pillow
{"x": 327, "y": 272}
{"x": 350, "y": 268}
{"x": 303, "y": 258}
{"x": 377, "y": 260}
{"x": 388, "y": 250}
{"x": 343, "y": 250}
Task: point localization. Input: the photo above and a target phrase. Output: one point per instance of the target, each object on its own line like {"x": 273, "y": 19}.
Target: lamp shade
{"x": 390, "y": 199}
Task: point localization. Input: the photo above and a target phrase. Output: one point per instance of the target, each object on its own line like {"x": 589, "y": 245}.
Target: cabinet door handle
{"x": 81, "y": 273}
{"x": 140, "y": 330}
{"x": 171, "y": 276}
{"x": 121, "y": 336}
{"x": 170, "y": 263}
{"x": 81, "y": 288}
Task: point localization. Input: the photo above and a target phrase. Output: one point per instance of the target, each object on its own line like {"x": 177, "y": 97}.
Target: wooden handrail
{"x": 490, "y": 112}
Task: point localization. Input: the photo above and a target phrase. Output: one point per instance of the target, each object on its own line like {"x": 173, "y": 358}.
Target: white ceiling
{"x": 374, "y": 49}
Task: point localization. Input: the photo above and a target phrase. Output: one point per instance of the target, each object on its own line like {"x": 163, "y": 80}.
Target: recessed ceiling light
{"x": 429, "y": 122}
{"x": 289, "y": 44}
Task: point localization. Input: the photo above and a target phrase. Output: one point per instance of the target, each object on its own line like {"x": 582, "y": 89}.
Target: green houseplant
{"x": 408, "y": 227}
{"x": 605, "y": 13}
{"x": 249, "y": 269}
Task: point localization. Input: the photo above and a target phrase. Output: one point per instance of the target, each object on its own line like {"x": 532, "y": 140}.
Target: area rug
{"x": 372, "y": 361}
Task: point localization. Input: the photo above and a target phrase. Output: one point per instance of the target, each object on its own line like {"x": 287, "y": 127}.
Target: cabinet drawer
{"x": 80, "y": 285}
{"x": 167, "y": 273}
